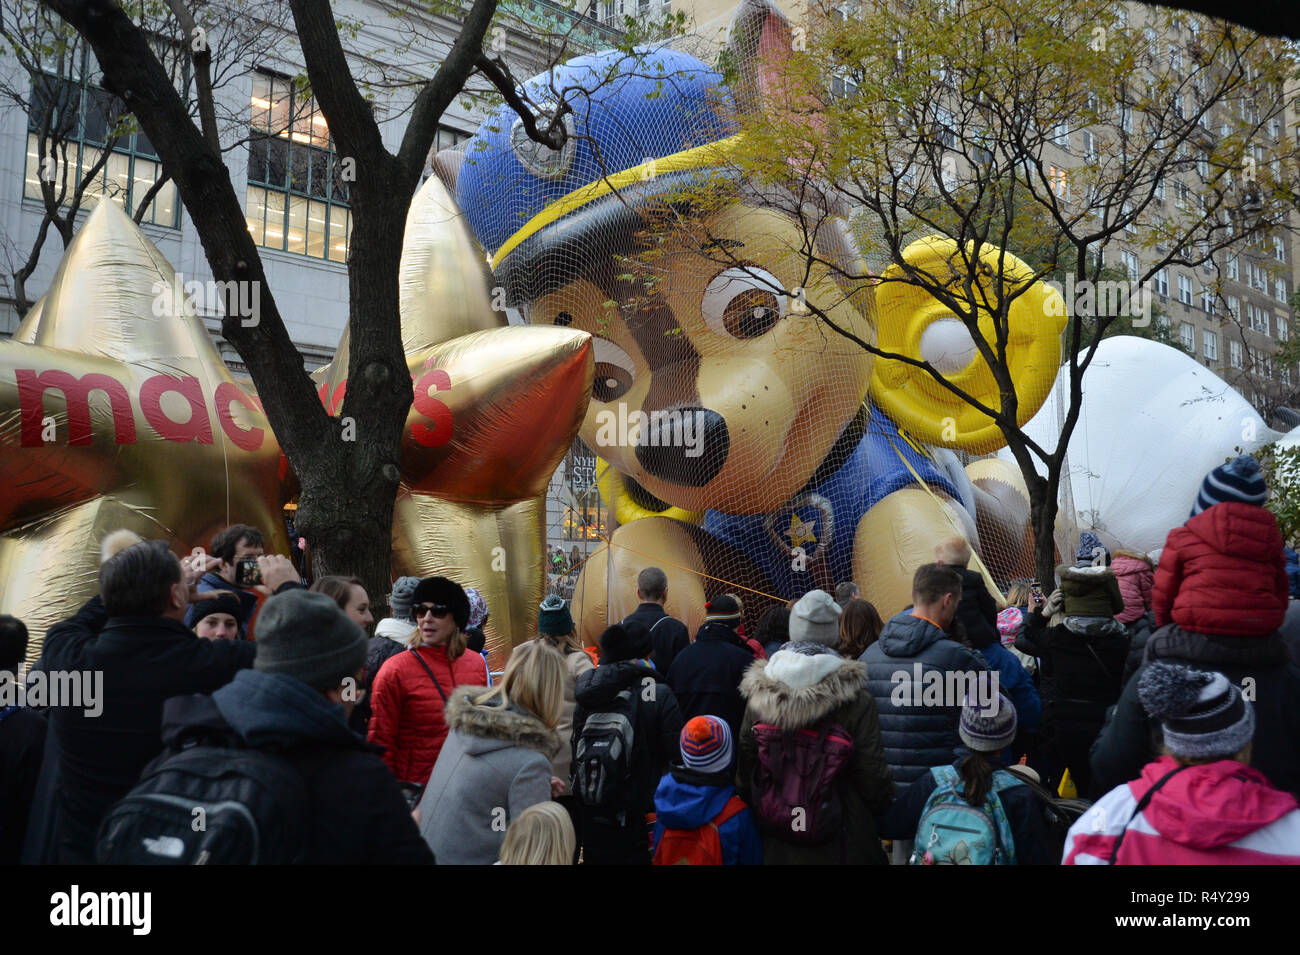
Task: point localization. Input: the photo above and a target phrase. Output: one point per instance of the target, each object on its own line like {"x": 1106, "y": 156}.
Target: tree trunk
{"x": 1042, "y": 515}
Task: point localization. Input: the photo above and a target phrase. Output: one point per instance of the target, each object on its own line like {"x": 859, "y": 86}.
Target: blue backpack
{"x": 953, "y": 832}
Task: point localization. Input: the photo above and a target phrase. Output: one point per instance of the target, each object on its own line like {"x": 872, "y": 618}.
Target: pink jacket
{"x": 1222, "y": 813}
{"x": 1135, "y": 576}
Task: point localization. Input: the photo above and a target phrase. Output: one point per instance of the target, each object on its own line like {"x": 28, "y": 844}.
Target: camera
{"x": 247, "y": 573}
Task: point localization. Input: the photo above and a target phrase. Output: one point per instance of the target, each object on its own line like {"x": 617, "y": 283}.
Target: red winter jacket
{"x": 1223, "y": 573}
{"x": 406, "y": 708}
{"x": 1134, "y": 575}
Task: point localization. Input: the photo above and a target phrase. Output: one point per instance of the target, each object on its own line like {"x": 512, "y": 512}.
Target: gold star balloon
{"x": 117, "y": 411}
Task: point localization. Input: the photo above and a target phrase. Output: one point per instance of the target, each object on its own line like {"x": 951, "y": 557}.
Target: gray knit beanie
{"x": 1202, "y": 712}
{"x": 402, "y": 599}
{"x": 816, "y": 619}
{"x": 987, "y": 730}
{"x": 306, "y": 635}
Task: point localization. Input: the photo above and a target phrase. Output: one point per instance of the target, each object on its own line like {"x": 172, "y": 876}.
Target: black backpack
{"x": 602, "y": 760}
{"x": 1059, "y": 812}
{"x": 215, "y": 802}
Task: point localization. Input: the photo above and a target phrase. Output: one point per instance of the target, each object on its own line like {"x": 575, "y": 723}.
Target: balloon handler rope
{"x": 984, "y": 571}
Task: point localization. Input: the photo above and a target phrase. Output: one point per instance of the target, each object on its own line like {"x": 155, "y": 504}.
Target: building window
{"x": 1210, "y": 344}
{"x": 1280, "y": 321}
{"x": 1129, "y": 261}
{"x": 297, "y": 185}
{"x": 1089, "y": 145}
{"x": 1279, "y": 248}
{"x": 1234, "y": 307}
{"x": 1279, "y": 289}
{"x": 1185, "y": 289}
{"x": 1162, "y": 282}
{"x": 1207, "y": 300}
{"x": 1285, "y": 374}
{"x": 1058, "y": 182}
{"x": 1258, "y": 277}
{"x": 75, "y": 112}
{"x": 1160, "y": 190}
{"x": 1234, "y": 353}
{"x": 1234, "y": 270}
{"x": 1187, "y": 334}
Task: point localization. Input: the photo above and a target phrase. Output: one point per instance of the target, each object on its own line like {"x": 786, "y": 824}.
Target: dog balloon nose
{"x": 687, "y": 446}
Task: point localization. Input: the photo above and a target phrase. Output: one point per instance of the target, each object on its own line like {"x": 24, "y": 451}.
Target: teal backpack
{"x": 953, "y": 832}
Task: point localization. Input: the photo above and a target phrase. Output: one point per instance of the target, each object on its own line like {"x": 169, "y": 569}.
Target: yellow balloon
{"x": 911, "y": 322}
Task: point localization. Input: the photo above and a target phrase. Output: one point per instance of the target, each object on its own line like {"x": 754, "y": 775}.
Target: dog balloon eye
{"x": 614, "y": 370}
{"x": 743, "y": 302}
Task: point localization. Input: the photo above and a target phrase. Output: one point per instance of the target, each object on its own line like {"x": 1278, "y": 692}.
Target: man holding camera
{"x": 236, "y": 550}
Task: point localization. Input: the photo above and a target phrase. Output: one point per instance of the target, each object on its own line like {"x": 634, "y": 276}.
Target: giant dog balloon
{"x": 746, "y": 446}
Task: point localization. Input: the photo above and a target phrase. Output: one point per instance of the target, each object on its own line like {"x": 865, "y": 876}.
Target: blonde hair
{"x": 534, "y": 679}
{"x": 564, "y": 644}
{"x": 953, "y": 552}
{"x": 1019, "y": 595}
{"x": 540, "y": 835}
{"x": 456, "y": 643}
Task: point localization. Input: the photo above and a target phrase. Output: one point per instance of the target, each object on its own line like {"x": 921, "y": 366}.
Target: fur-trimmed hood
{"x": 1127, "y": 561}
{"x": 1088, "y": 574}
{"x": 793, "y": 690}
{"x": 491, "y": 726}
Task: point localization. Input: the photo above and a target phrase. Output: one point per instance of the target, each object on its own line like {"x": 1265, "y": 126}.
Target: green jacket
{"x": 1090, "y": 591}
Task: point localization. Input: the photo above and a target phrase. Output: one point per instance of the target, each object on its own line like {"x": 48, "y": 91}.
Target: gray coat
{"x": 495, "y": 764}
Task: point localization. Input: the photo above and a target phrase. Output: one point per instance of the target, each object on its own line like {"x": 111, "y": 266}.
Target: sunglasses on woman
{"x": 438, "y": 610}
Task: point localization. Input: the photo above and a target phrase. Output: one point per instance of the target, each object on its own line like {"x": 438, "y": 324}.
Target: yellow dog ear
{"x": 911, "y": 322}
{"x": 612, "y": 485}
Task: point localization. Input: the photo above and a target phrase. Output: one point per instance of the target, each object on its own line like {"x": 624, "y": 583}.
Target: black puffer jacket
{"x": 656, "y": 730}
{"x": 706, "y": 675}
{"x": 1256, "y": 664}
{"x": 916, "y": 736}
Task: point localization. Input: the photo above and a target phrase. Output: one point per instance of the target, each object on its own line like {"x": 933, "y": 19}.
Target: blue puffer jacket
{"x": 1292, "y": 570}
{"x": 1015, "y": 683}
{"x": 917, "y": 736}
{"x": 687, "y": 800}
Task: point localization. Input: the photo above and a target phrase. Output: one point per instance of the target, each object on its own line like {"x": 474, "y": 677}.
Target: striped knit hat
{"x": 723, "y": 609}
{"x": 987, "y": 729}
{"x": 706, "y": 744}
{"x": 1203, "y": 713}
{"x": 1238, "y": 480}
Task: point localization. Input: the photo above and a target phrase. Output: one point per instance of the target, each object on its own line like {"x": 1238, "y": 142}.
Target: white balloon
{"x": 1153, "y": 423}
